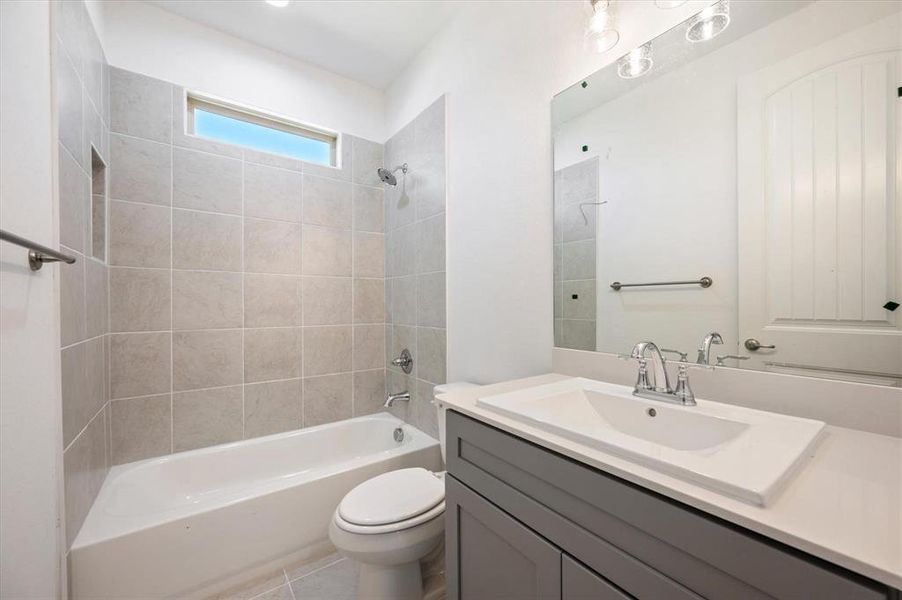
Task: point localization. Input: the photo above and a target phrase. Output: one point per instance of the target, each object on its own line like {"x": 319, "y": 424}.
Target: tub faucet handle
{"x": 405, "y": 361}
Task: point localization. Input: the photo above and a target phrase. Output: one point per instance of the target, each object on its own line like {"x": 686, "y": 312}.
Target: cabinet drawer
{"x": 607, "y": 523}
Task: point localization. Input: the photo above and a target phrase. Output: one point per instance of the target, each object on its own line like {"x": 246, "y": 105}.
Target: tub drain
{"x": 399, "y": 435}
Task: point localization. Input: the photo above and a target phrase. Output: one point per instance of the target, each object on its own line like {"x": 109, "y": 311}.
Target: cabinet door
{"x": 491, "y": 556}
{"x": 579, "y": 583}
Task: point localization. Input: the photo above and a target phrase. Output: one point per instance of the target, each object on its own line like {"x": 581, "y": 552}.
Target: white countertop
{"x": 844, "y": 505}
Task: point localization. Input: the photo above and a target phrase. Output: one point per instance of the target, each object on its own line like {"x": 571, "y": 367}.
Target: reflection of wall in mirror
{"x": 667, "y": 165}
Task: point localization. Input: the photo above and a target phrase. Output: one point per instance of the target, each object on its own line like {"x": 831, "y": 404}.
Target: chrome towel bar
{"x": 704, "y": 282}
{"x": 37, "y": 254}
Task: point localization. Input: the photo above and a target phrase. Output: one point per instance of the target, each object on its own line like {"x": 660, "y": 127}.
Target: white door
{"x": 820, "y": 214}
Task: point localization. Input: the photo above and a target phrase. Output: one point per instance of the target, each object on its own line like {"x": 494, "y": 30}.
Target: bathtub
{"x": 185, "y": 524}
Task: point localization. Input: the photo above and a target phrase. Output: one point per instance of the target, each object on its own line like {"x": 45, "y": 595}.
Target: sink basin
{"x": 745, "y": 453}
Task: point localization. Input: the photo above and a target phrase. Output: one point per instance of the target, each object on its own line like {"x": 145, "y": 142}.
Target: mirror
{"x": 749, "y": 184}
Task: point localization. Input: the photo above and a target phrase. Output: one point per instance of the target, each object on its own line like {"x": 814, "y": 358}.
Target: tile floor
{"x": 329, "y": 578}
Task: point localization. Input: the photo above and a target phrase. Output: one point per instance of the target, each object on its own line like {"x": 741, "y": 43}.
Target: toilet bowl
{"x": 392, "y": 521}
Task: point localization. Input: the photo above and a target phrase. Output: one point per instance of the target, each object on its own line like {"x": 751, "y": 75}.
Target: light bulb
{"x": 635, "y": 64}
{"x": 278, "y": 3}
{"x": 709, "y": 23}
{"x": 601, "y": 35}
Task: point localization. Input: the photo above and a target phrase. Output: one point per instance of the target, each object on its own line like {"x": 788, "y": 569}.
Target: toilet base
{"x": 401, "y": 582}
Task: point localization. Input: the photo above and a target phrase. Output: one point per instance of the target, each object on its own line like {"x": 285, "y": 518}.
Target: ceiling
{"x": 370, "y": 41}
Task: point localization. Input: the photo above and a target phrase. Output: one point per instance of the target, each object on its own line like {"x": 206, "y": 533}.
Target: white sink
{"x": 746, "y": 453}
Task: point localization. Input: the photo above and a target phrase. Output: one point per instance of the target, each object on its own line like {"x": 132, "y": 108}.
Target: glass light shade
{"x": 601, "y": 41}
{"x": 278, "y": 3}
{"x": 601, "y": 35}
{"x": 709, "y": 23}
{"x": 669, "y": 3}
{"x": 635, "y": 64}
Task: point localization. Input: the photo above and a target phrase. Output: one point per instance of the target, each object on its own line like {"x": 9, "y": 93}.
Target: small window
{"x": 243, "y": 127}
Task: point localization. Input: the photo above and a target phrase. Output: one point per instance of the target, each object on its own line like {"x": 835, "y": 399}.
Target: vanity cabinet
{"x": 524, "y": 522}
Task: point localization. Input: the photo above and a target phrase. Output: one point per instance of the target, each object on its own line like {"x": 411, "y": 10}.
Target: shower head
{"x": 389, "y": 176}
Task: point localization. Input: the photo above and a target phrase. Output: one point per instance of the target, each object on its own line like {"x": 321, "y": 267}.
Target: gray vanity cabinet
{"x": 524, "y": 522}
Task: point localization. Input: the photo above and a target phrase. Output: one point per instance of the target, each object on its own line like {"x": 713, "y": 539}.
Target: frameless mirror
{"x": 743, "y": 180}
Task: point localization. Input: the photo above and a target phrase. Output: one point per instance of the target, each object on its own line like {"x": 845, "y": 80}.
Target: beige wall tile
{"x": 206, "y": 417}
{"x": 140, "y": 170}
{"x": 96, "y": 298}
{"x": 140, "y": 106}
{"x": 84, "y": 469}
{"x": 271, "y": 193}
{"x": 140, "y": 299}
{"x": 326, "y": 252}
{"x": 70, "y": 108}
{"x": 326, "y": 300}
{"x": 271, "y": 301}
{"x": 369, "y": 209}
{"x": 139, "y": 364}
{"x": 402, "y": 251}
{"x": 425, "y": 417}
{"x": 327, "y": 399}
{"x": 369, "y": 301}
{"x": 327, "y": 202}
{"x": 369, "y": 392}
{"x": 74, "y": 192}
{"x": 206, "y": 181}
{"x": 369, "y": 255}
{"x": 203, "y": 359}
{"x": 431, "y": 350}
{"x": 272, "y": 247}
{"x": 139, "y": 235}
{"x": 367, "y": 158}
{"x": 82, "y": 383}
{"x": 578, "y": 260}
{"x": 272, "y": 407}
{"x": 431, "y": 244}
{"x": 404, "y": 300}
{"x": 206, "y": 300}
{"x": 205, "y": 241}
{"x": 267, "y": 159}
{"x": 141, "y": 428}
{"x": 369, "y": 346}
{"x": 272, "y": 354}
{"x": 431, "y": 300}
{"x": 72, "y": 301}
{"x": 327, "y": 350}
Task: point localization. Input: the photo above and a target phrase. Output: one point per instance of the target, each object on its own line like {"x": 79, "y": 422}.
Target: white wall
{"x": 668, "y": 171}
{"x": 30, "y": 426}
{"x": 500, "y": 64}
{"x": 145, "y": 39}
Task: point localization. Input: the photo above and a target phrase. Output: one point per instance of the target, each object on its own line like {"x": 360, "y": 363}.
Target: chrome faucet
{"x": 659, "y": 388}
{"x": 392, "y": 398}
{"x": 704, "y": 351}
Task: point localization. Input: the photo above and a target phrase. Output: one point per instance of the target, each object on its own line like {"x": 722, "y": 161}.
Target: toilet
{"x": 392, "y": 521}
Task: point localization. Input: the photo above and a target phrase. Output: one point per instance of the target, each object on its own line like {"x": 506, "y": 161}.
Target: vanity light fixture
{"x": 709, "y": 23}
{"x": 668, "y": 4}
{"x": 278, "y": 3}
{"x": 601, "y": 35}
{"x": 635, "y": 64}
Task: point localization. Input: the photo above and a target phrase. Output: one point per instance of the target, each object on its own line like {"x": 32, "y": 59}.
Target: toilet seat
{"x": 392, "y": 501}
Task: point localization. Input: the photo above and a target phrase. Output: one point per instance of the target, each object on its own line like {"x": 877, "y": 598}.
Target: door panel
{"x": 819, "y": 213}
{"x": 492, "y": 556}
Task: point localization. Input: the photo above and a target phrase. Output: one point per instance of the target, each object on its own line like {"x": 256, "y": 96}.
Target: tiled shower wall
{"x": 81, "y": 81}
{"x": 575, "y": 192}
{"x": 247, "y": 291}
{"x": 415, "y": 263}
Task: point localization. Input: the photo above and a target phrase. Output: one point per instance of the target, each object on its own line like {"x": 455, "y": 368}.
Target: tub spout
{"x": 405, "y": 395}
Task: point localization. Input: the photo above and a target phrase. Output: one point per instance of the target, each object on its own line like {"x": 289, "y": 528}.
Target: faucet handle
{"x": 683, "y": 391}
{"x": 684, "y": 356}
{"x": 642, "y": 378}
{"x": 720, "y": 359}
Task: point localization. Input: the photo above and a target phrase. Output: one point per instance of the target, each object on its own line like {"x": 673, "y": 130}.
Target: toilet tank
{"x": 440, "y": 408}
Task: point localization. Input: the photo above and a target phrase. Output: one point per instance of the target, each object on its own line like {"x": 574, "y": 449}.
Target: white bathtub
{"x": 185, "y": 523}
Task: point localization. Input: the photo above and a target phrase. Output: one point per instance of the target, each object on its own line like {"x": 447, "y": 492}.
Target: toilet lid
{"x": 392, "y": 497}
